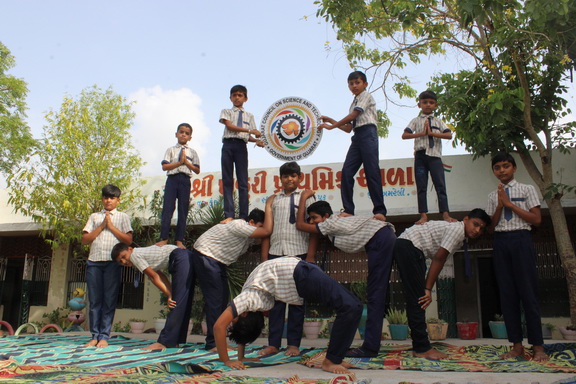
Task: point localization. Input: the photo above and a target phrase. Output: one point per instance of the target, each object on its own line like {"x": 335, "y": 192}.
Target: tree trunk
{"x": 565, "y": 251}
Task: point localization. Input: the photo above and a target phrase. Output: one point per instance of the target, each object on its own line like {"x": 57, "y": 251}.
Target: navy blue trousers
{"x": 515, "y": 270}
{"x": 315, "y": 285}
{"x": 103, "y": 282}
{"x": 176, "y": 329}
{"x": 412, "y": 267}
{"x": 424, "y": 164}
{"x": 276, "y": 319}
{"x": 177, "y": 188}
{"x": 363, "y": 151}
{"x": 234, "y": 152}
{"x": 380, "y": 253}
{"x": 211, "y": 275}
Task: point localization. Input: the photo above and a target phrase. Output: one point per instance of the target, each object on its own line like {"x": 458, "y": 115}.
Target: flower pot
{"x": 546, "y": 332}
{"x": 437, "y": 331}
{"x": 468, "y": 330}
{"x": 567, "y": 334}
{"x": 498, "y": 329}
{"x": 137, "y": 326}
{"x": 398, "y": 331}
{"x": 159, "y": 325}
{"x": 312, "y": 329}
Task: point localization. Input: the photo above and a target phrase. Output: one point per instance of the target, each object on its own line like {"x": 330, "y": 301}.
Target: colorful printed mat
{"x": 472, "y": 358}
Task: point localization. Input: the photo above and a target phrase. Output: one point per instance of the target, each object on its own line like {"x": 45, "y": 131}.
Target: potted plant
{"x": 467, "y": 330}
{"x": 160, "y": 321}
{"x": 397, "y": 324}
{"x": 437, "y": 328}
{"x": 547, "y": 329}
{"x": 312, "y": 324}
{"x": 137, "y": 325}
{"x": 498, "y": 328}
{"x": 568, "y": 332}
{"x": 360, "y": 290}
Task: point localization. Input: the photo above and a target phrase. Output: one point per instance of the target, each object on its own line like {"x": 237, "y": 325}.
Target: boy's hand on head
{"x": 235, "y": 364}
{"x": 307, "y": 193}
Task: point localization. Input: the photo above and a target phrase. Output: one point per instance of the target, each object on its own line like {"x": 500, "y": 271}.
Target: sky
{"x": 177, "y": 60}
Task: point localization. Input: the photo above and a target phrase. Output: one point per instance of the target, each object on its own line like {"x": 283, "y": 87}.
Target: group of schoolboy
{"x": 287, "y": 274}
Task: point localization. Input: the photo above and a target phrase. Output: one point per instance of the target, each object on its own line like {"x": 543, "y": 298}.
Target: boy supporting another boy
{"x": 353, "y": 234}
{"x": 515, "y": 207}
{"x": 179, "y": 163}
{"x": 151, "y": 261}
{"x": 286, "y": 240}
{"x": 434, "y": 240}
{"x": 103, "y": 230}
{"x": 219, "y": 247}
{"x": 239, "y": 128}
{"x": 427, "y": 132}
{"x": 290, "y": 280}
{"x": 364, "y": 148}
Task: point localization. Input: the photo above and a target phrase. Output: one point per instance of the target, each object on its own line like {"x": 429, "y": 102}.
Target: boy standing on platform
{"x": 239, "y": 128}
{"x": 103, "y": 230}
{"x": 179, "y": 163}
{"x": 434, "y": 240}
{"x": 354, "y": 234}
{"x": 515, "y": 207}
{"x": 428, "y": 132}
{"x": 286, "y": 240}
{"x": 364, "y": 147}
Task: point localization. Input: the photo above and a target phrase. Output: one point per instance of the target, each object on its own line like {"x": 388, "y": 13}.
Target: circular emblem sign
{"x": 290, "y": 129}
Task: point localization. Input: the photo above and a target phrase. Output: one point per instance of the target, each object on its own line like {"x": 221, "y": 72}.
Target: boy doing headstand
{"x": 434, "y": 240}
{"x": 239, "y": 128}
{"x": 179, "y": 163}
{"x": 289, "y": 280}
{"x": 103, "y": 230}
{"x": 515, "y": 207}
{"x": 364, "y": 147}
{"x": 286, "y": 240}
{"x": 428, "y": 132}
{"x": 354, "y": 234}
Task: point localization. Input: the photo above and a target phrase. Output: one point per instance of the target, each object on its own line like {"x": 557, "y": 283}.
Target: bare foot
{"x": 154, "y": 347}
{"x": 230, "y": 348}
{"x": 269, "y": 350}
{"x": 227, "y": 220}
{"x": 345, "y": 214}
{"x": 292, "y": 350}
{"x": 329, "y": 366}
{"x": 446, "y": 217}
{"x": 517, "y": 350}
{"x": 162, "y": 243}
{"x": 180, "y": 245}
{"x": 91, "y": 343}
{"x": 380, "y": 216}
{"x": 102, "y": 344}
{"x": 432, "y": 354}
{"x": 539, "y": 354}
{"x": 423, "y": 219}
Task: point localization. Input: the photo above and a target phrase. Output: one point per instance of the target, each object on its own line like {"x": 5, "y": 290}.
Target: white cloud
{"x": 158, "y": 113}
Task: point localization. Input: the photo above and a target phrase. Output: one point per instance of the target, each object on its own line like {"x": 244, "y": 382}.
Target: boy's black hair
{"x": 257, "y": 215}
{"x": 358, "y": 75}
{"x": 247, "y": 328}
{"x": 503, "y": 156}
{"x": 290, "y": 168}
{"x": 117, "y": 249}
{"x": 320, "y": 207}
{"x": 479, "y": 213}
{"x": 110, "y": 190}
{"x": 239, "y": 88}
{"x": 428, "y": 95}
{"x": 184, "y": 125}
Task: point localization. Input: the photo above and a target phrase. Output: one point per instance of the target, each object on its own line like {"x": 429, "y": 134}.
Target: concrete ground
{"x": 395, "y": 376}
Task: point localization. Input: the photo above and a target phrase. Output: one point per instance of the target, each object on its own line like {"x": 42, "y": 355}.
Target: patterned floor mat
{"x": 473, "y": 358}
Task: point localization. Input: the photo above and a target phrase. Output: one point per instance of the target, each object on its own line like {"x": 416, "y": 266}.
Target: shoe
{"x": 360, "y": 352}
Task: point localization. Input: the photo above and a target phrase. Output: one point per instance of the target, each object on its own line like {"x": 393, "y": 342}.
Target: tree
{"x": 86, "y": 145}
{"x": 511, "y": 97}
{"x": 15, "y": 137}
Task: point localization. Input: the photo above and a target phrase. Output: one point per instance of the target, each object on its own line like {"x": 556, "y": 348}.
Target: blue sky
{"x": 178, "y": 59}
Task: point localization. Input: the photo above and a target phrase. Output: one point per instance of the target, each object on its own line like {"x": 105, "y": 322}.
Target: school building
{"x": 35, "y": 279}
